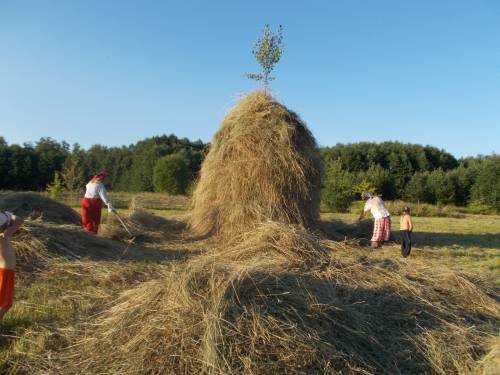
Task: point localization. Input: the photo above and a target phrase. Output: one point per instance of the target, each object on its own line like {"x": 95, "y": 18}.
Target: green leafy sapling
{"x": 267, "y": 51}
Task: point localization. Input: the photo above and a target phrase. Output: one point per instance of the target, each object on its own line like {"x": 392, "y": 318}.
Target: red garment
{"x": 6, "y": 287}
{"x": 382, "y": 229}
{"x": 91, "y": 214}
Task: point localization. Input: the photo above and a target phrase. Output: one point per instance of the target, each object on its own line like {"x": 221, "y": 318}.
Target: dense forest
{"x": 167, "y": 163}
{"x": 411, "y": 172}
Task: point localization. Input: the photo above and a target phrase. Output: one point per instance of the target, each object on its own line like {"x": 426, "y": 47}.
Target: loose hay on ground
{"x": 34, "y": 205}
{"x": 353, "y": 315}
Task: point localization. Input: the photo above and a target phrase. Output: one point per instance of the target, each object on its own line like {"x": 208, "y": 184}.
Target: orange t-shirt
{"x": 6, "y": 287}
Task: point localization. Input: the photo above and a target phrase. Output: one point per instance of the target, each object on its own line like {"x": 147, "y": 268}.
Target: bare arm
{"x": 16, "y": 224}
{"x": 361, "y": 215}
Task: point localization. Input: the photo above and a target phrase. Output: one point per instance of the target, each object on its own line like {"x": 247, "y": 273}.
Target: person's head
{"x": 367, "y": 196}
{"x": 406, "y": 210}
{"x": 100, "y": 177}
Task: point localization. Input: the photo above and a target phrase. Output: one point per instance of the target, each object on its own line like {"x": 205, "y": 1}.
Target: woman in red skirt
{"x": 95, "y": 195}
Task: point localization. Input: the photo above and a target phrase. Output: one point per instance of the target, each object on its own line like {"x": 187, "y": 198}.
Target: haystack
{"x": 34, "y": 205}
{"x": 263, "y": 165}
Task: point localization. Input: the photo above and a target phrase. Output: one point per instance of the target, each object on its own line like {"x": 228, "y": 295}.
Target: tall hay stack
{"x": 263, "y": 165}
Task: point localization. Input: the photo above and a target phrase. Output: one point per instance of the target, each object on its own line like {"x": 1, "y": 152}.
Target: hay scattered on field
{"x": 351, "y": 316}
{"x": 263, "y": 165}
{"x": 34, "y": 205}
{"x": 340, "y": 231}
{"x": 143, "y": 226}
{"x": 38, "y": 241}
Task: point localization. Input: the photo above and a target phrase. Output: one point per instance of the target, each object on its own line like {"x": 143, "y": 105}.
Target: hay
{"x": 352, "y": 316}
{"x": 38, "y": 243}
{"x": 34, "y": 205}
{"x": 490, "y": 364}
{"x": 263, "y": 164}
{"x": 285, "y": 243}
{"x": 340, "y": 231}
{"x": 143, "y": 225}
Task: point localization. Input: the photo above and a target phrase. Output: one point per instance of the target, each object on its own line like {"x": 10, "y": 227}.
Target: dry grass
{"x": 263, "y": 164}
{"x": 227, "y": 312}
{"x": 34, "y": 205}
{"x": 143, "y": 225}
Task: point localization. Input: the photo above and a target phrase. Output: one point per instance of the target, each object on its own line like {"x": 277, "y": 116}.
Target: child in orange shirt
{"x": 9, "y": 224}
{"x": 405, "y": 228}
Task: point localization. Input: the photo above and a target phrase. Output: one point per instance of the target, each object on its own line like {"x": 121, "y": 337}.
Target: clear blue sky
{"x": 114, "y": 72}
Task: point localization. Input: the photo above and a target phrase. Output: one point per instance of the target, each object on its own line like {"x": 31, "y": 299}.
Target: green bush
{"x": 171, "y": 174}
{"x": 338, "y": 188}
{"x": 486, "y": 189}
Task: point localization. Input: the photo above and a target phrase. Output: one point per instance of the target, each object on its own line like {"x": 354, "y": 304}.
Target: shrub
{"x": 486, "y": 189}
{"x": 338, "y": 190}
{"x": 171, "y": 174}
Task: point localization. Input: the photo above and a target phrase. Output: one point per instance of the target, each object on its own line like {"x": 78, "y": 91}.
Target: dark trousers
{"x": 405, "y": 242}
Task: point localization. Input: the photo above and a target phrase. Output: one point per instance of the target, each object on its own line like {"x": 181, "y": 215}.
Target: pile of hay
{"x": 261, "y": 316}
{"x": 272, "y": 297}
{"x": 263, "y": 164}
{"x": 34, "y": 205}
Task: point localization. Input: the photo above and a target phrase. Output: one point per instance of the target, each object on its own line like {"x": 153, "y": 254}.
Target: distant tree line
{"x": 411, "y": 172}
{"x": 131, "y": 168}
{"x": 167, "y": 163}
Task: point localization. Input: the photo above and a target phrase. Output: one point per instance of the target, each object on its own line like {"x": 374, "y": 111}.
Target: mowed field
{"x": 470, "y": 243}
{"x": 56, "y": 296}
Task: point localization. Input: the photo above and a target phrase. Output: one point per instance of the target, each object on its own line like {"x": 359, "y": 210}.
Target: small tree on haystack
{"x": 267, "y": 51}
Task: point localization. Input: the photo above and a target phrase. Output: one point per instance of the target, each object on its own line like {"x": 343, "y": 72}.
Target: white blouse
{"x": 97, "y": 190}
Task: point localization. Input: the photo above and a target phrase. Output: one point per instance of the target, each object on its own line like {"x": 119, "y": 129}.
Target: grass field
{"x": 55, "y": 297}
{"x": 470, "y": 243}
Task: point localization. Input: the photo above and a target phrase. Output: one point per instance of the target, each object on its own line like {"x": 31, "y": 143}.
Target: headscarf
{"x": 367, "y": 195}
{"x": 100, "y": 176}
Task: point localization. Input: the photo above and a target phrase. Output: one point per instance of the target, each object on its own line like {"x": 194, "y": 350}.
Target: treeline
{"x": 131, "y": 168}
{"x": 394, "y": 170}
{"x": 410, "y": 172}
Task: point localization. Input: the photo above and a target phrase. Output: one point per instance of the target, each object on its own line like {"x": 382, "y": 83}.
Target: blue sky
{"x": 114, "y": 72}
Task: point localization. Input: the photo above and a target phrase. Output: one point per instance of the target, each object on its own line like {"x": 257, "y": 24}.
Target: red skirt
{"x": 91, "y": 214}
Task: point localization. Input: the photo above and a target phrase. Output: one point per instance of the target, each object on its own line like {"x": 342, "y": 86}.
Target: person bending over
{"x": 382, "y": 225}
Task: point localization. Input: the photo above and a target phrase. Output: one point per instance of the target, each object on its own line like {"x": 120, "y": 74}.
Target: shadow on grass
{"x": 432, "y": 239}
{"x": 339, "y": 230}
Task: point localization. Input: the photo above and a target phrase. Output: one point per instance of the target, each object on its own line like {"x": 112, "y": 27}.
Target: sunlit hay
{"x": 143, "y": 226}
{"x": 37, "y": 242}
{"x": 214, "y": 315}
{"x": 112, "y": 228}
{"x": 263, "y": 165}
{"x": 290, "y": 243}
{"x": 147, "y": 221}
{"x": 34, "y": 205}
{"x": 490, "y": 364}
